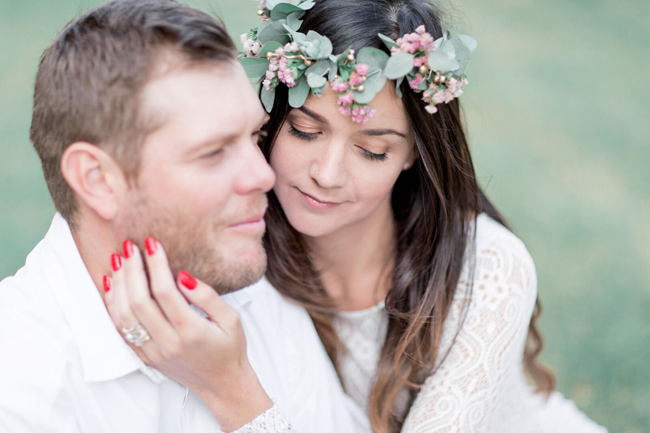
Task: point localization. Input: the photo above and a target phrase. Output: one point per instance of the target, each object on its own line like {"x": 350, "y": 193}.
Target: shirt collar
{"x": 104, "y": 354}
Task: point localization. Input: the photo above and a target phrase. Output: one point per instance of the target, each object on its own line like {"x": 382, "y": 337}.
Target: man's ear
{"x": 95, "y": 177}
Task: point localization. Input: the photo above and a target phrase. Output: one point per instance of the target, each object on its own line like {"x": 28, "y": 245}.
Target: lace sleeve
{"x": 463, "y": 393}
{"x": 271, "y": 421}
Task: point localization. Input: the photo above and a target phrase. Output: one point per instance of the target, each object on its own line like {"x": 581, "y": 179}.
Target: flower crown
{"x": 275, "y": 52}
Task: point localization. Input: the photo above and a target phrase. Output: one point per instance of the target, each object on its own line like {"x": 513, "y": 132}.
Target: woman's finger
{"x": 163, "y": 286}
{"x": 138, "y": 296}
{"x": 117, "y": 302}
{"x": 208, "y": 300}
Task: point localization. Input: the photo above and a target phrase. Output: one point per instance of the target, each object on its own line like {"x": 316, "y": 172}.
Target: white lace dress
{"x": 480, "y": 387}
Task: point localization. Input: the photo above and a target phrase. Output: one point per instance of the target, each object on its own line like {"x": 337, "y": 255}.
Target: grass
{"x": 557, "y": 112}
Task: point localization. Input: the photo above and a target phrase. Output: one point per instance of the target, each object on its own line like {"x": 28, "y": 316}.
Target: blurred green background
{"x": 558, "y": 111}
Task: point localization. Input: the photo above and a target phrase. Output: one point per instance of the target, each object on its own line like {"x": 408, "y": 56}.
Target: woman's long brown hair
{"x": 434, "y": 204}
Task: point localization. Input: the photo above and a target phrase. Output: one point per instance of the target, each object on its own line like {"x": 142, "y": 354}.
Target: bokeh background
{"x": 558, "y": 112}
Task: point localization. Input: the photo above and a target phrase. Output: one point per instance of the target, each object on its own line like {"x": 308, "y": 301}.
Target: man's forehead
{"x": 202, "y": 105}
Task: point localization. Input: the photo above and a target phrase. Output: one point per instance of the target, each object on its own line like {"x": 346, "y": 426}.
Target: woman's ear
{"x": 413, "y": 156}
{"x": 95, "y": 177}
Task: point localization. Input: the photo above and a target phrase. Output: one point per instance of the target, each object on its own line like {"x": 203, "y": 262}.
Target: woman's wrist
{"x": 236, "y": 400}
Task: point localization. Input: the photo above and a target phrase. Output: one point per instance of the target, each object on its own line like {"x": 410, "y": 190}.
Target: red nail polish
{"x": 127, "y": 247}
{"x": 107, "y": 283}
{"x": 151, "y": 245}
{"x": 187, "y": 280}
{"x": 116, "y": 261}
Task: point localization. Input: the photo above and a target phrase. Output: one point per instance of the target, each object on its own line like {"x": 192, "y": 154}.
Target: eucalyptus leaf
{"x": 338, "y": 58}
{"x": 462, "y": 55}
{"x": 398, "y": 86}
{"x": 316, "y": 80}
{"x": 318, "y": 91}
{"x": 295, "y": 35}
{"x": 298, "y": 94}
{"x": 262, "y": 26}
{"x": 319, "y": 68}
{"x": 268, "y": 98}
{"x": 442, "y": 61}
{"x": 255, "y": 67}
{"x": 269, "y": 46}
{"x": 468, "y": 41}
{"x": 374, "y": 58}
{"x": 325, "y": 48}
{"x": 399, "y": 65}
{"x": 307, "y": 5}
{"x": 275, "y": 31}
{"x": 373, "y": 85}
{"x": 294, "y": 20}
{"x": 334, "y": 70}
{"x": 282, "y": 10}
{"x": 388, "y": 41}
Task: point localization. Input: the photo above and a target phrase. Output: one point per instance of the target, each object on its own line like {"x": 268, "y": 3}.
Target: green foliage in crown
{"x": 277, "y": 53}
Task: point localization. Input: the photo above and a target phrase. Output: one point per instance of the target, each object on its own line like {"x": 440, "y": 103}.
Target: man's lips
{"x": 250, "y": 224}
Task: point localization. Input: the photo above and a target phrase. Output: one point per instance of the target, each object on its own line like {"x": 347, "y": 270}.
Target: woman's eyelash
{"x": 374, "y": 156}
{"x": 302, "y": 135}
{"x": 307, "y": 136}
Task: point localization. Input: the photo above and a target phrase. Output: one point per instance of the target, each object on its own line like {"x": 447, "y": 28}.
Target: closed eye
{"x": 373, "y": 156}
{"x": 259, "y": 136}
{"x": 307, "y": 136}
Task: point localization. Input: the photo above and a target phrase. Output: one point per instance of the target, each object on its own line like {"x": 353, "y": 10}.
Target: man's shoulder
{"x": 31, "y": 322}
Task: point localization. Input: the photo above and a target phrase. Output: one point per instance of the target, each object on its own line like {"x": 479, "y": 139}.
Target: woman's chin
{"x": 310, "y": 227}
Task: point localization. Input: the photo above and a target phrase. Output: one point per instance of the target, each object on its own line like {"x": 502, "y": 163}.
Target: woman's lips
{"x": 316, "y": 203}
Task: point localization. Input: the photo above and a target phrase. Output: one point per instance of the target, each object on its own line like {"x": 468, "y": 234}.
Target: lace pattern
{"x": 479, "y": 386}
{"x": 271, "y": 421}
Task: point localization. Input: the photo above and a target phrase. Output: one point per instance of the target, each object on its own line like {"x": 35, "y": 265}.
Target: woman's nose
{"x": 328, "y": 170}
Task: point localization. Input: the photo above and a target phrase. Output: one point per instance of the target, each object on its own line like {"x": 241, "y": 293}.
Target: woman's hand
{"x": 207, "y": 356}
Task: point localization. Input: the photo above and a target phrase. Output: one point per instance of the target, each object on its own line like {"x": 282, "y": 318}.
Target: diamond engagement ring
{"x": 136, "y": 335}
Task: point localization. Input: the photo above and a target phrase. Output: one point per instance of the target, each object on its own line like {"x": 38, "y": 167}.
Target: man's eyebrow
{"x": 265, "y": 120}
{"x": 379, "y": 132}
{"x": 313, "y": 115}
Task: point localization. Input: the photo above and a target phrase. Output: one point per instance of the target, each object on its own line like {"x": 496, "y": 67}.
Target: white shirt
{"x": 65, "y": 368}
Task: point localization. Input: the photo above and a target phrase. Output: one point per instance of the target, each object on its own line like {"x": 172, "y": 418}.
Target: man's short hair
{"x": 90, "y": 80}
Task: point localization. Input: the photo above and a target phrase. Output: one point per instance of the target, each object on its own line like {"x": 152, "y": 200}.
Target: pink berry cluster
{"x": 251, "y": 46}
{"x": 279, "y": 70}
{"x": 418, "y": 43}
{"x": 442, "y": 93}
{"x": 360, "y": 113}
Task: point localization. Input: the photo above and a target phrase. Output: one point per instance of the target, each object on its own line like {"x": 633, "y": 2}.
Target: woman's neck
{"x": 356, "y": 261}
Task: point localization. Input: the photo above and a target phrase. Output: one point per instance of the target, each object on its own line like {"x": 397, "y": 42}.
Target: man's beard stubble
{"x": 189, "y": 245}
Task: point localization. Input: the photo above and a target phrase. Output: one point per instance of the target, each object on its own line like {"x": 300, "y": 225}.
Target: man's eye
{"x": 260, "y": 136}
{"x": 213, "y": 154}
{"x": 307, "y": 136}
{"x": 373, "y": 156}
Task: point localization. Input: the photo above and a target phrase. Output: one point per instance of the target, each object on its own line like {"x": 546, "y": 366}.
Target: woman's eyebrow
{"x": 316, "y": 117}
{"x": 379, "y": 132}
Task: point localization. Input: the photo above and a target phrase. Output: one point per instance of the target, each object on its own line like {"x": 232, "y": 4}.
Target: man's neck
{"x": 356, "y": 261}
{"x": 96, "y": 241}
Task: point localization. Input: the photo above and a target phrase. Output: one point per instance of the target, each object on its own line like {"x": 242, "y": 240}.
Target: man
{"x": 146, "y": 125}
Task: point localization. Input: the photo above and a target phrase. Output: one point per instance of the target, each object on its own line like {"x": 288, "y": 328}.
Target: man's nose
{"x": 328, "y": 169}
{"x": 257, "y": 175}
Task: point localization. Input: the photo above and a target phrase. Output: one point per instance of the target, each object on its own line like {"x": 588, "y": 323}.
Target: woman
{"x": 424, "y": 300}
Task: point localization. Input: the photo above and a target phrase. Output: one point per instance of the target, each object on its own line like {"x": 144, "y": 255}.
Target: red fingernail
{"x": 127, "y": 247}
{"x": 107, "y": 283}
{"x": 151, "y": 245}
{"x": 116, "y": 261}
{"x": 187, "y": 280}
